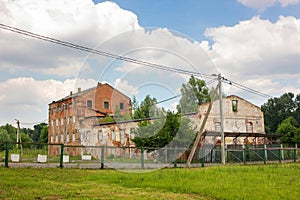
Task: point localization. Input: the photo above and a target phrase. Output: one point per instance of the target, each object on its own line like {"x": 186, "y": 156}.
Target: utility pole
{"x": 222, "y": 120}
{"x": 18, "y": 135}
{"x": 199, "y": 134}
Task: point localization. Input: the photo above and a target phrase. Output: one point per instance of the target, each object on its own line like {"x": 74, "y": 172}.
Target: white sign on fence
{"x": 86, "y": 157}
{"x": 42, "y": 158}
{"x": 66, "y": 159}
{"x": 15, "y": 157}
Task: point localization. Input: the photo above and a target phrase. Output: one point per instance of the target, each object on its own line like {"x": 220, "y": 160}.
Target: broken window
{"x": 113, "y": 135}
{"x": 132, "y": 133}
{"x": 89, "y": 103}
{"x": 100, "y": 135}
{"x": 106, "y": 105}
{"x": 249, "y": 127}
{"x": 218, "y": 126}
{"x": 234, "y": 105}
{"x": 73, "y": 137}
{"x": 122, "y": 135}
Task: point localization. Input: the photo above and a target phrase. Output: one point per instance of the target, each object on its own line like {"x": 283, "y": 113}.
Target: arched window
{"x": 249, "y": 127}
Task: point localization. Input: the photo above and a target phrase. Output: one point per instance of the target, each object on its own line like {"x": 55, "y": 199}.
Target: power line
{"x": 33, "y": 123}
{"x": 102, "y": 53}
{"x": 247, "y": 89}
{"x": 127, "y": 59}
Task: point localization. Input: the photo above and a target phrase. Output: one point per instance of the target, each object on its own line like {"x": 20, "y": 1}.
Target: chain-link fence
{"x": 71, "y": 156}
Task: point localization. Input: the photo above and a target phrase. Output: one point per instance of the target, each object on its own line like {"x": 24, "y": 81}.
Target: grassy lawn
{"x": 274, "y": 181}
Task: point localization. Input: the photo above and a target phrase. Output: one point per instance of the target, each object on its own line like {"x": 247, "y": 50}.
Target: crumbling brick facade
{"x": 69, "y": 116}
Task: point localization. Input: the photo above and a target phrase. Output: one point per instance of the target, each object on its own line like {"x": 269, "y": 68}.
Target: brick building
{"x": 71, "y": 117}
{"x": 240, "y": 118}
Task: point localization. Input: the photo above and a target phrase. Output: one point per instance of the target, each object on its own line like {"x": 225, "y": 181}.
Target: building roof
{"x": 80, "y": 93}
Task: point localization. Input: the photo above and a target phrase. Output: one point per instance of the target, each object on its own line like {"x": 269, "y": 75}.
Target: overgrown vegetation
{"x": 276, "y": 181}
{"x": 282, "y": 116}
{"x": 39, "y": 133}
{"x": 169, "y": 127}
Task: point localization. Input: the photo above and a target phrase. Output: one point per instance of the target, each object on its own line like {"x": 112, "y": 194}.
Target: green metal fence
{"x": 251, "y": 153}
{"x": 61, "y": 155}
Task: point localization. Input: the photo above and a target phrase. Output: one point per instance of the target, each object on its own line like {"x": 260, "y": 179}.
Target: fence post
{"x": 102, "y": 157}
{"x": 265, "y": 154}
{"x": 295, "y": 153}
{"x": 142, "y": 157}
{"x": 202, "y": 157}
{"x": 244, "y": 154}
{"x": 282, "y": 152}
{"x": 175, "y": 156}
{"x": 6, "y": 153}
{"x": 279, "y": 155}
{"x": 61, "y": 165}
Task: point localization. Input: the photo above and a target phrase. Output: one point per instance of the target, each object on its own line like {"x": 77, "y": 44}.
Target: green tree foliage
{"x": 44, "y": 135}
{"x": 147, "y": 109}
{"x": 278, "y": 109}
{"x": 9, "y": 133}
{"x": 290, "y": 130}
{"x": 194, "y": 93}
{"x": 172, "y": 131}
{"x": 36, "y": 132}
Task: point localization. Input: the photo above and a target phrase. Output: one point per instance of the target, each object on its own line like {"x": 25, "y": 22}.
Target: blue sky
{"x": 192, "y": 17}
{"x": 253, "y": 42}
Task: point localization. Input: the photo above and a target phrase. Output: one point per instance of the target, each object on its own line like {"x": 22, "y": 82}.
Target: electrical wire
{"x": 102, "y": 53}
{"x": 34, "y": 123}
{"x": 128, "y": 59}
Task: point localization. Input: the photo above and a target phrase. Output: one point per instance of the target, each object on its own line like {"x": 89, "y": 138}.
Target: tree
{"x": 194, "y": 93}
{"x": 147, "y": 109}
{"x": 4, "y": 137}
{"x": 36, "y": 132}
{"x": 278, "y": 109}
{"x": 44, "y": 135}
{"x": 290, "y": 130}
{"x": 172, "y": 131}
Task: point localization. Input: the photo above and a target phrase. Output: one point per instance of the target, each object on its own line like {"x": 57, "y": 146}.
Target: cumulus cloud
{"x": 258, "y": 50}
{"x": 27, "y": 99}
{"x": 79, "y": 21}
{"x": 125, "y": 87}
{"x": 262, "y": 4}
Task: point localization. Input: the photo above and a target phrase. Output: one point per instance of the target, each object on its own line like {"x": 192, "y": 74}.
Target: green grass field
{"x": 273, "y": 181}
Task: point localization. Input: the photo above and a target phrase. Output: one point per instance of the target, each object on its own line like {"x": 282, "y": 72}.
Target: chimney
{"x": 71, "y": 93}
{"x": 79, "y": 89}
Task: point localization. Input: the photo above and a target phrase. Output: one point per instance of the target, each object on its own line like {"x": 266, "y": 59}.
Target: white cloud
{"x": 27, "y": 99}
{"x": 262, "y": 4}
{"x": 77, "y": 21}
{"x": 125, "y": 87}
{"x": 259, "y": 53}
